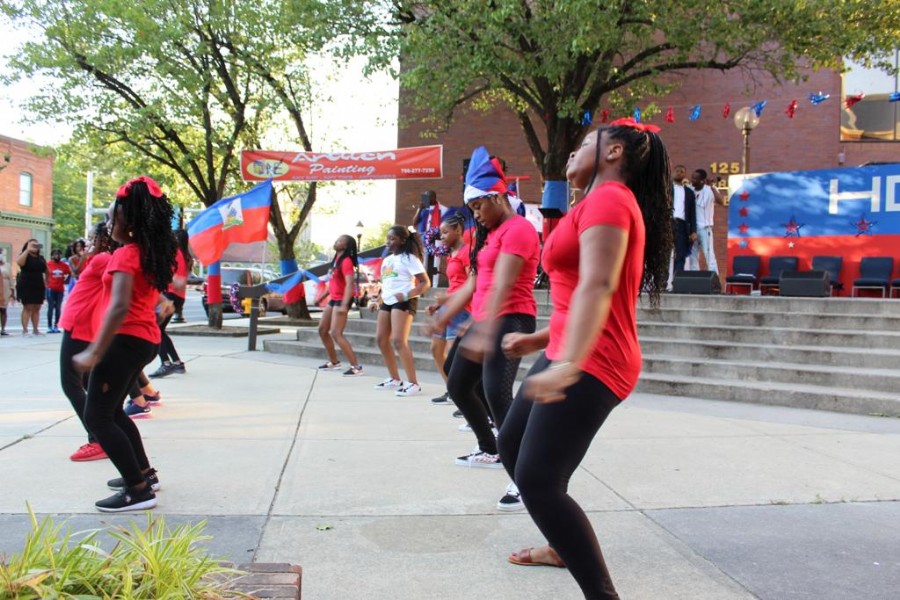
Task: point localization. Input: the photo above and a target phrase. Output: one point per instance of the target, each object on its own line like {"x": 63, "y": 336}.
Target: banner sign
{"x": 851, "y": 212}
{"x": 423, "y": 162}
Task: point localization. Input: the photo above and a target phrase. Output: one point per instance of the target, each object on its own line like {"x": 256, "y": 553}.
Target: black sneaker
{"x": 178, "y": 367}
{"x": 458, "y": 414}
{"x": 118, "y": 484}
{"x": 164, "y": 369}
{"x": 511, "y": 500}
{"x": 130, "y": 499}
{"x": 442, "y": 399}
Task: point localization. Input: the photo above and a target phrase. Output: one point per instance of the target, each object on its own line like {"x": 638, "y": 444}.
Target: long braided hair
{"x": 456, "y": 220}
{"x": 646, "y": 171}
{"x": 149, "y": 221}
{"x": 410, "y": 242}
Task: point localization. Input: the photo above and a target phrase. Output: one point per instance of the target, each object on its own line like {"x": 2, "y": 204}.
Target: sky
{"x": 359, "y": 115}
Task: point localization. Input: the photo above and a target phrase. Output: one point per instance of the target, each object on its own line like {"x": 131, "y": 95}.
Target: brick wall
{"x": 811, "y": 140}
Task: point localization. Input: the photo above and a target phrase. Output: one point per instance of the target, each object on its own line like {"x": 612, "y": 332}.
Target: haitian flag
{"x": 291, "y": 288}
{"x": 239, "y": 219}
{"x": 851, "y": 212}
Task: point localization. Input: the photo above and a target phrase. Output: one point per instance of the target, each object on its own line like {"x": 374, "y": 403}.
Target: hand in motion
{"x": 478, "y": 343}
{"x": 516, "y": 345}
{"x": 550, "y": 385}
{"x": 85, "y": 361}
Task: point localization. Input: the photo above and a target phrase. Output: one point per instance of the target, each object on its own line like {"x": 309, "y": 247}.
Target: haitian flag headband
{"x": 484, "y": 176}
{"x": 152, "y": 187}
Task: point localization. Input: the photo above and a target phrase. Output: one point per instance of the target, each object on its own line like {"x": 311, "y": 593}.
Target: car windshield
{"x": 230, "y": 276}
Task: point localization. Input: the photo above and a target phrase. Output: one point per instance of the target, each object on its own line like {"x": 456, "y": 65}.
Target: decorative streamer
{"x": 670, "y": 115}
{"x": 695, "y": 112}
{"x": 586, "y": 118}
{"x": 726, "y": 110}
{"x": 637, "y": 114}
{"x": 894, "y": 97}
{"x": 849, "y": 101}
{"x": 604, "y": 115}
{"x": 791, "y": 109}
{"x": 817, "y": 99}
{"x": 758, "y": 107}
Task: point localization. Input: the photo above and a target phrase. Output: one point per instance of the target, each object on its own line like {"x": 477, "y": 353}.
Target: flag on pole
{"x": 239, "y": 219}
{"x": 291, "y": 288}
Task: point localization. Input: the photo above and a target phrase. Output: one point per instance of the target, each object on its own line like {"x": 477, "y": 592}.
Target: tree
{"x": 552, "y": 61}
{"x": 183, "y": 82}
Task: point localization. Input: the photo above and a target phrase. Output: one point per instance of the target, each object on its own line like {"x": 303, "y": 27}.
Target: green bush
{"x": 151, "y": 562}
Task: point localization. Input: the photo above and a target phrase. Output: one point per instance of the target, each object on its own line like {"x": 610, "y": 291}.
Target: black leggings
{"x": 74, "y": 382}
{"x": 541, "y": 445}
{"x": 497, "y": 374}
{"x": 103, "y": 414}
{"x": 167, "y": 351}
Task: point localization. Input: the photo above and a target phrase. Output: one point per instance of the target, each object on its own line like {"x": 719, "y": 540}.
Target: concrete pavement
{"x": 691, "y": 499}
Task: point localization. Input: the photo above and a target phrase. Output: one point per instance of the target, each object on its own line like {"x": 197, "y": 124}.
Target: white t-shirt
{"x": 398, "y": 272}
{"x": 705, "y": 206}
{"x": 678, "y": 202}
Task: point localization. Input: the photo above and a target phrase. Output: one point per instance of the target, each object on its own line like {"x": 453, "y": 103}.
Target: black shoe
{"x": 178, "y": 367}
{"x": 118, "y": 484}
{"x": 458, "y": 414}
{"x": 164, "y": 369}
{"x": 130, "y": 499}
{"x": 442, "y": 399}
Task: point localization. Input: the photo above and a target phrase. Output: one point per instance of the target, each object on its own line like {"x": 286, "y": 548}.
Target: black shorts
{"x": 333, "y": 303}
{"x": 409, "y": 306}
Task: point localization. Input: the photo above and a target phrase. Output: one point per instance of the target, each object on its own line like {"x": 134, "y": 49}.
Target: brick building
{"x": 810, "y": 140}
{"x": 26, "y": 196}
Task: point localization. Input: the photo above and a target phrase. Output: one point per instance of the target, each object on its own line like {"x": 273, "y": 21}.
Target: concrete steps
{"x": 823, "y": 353}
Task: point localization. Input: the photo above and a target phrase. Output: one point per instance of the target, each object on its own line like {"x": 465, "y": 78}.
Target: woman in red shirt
{"x": 169, "y": 361}
{"x": 612, "y": 245}
{"x": 127, "y": 340}
{"x": 452, "y": 230}
{"x": 341, "y": 289}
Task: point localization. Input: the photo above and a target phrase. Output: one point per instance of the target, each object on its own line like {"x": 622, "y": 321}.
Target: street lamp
{"x": 745, "y": 119}
{"x": 359, "y": 232}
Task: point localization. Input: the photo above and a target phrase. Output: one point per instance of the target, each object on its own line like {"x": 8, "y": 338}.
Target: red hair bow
{"x": 152, "y": 187}
{"x": 630, "y": 122}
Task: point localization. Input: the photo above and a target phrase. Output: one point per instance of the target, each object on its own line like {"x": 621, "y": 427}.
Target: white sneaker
{"x": 465, "y": 427}
{"x": 411, "y": 389}
{"x": 511, "y": 501}
{"x": 389, "y": 384}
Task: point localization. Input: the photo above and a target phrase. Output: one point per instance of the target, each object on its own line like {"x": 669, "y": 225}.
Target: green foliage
{"x": 553, "y": 60}
{"x": 150, "y": 562}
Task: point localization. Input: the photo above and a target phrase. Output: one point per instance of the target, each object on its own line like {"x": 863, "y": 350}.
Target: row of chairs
{"x": 874, "y": 273}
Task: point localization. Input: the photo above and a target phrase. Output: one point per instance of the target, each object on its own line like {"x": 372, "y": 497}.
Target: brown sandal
{"x": 523, "y": 557}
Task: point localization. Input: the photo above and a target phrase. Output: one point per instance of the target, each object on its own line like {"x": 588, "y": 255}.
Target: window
{"x": 873, "y": 118}
{"x": 25, "y": 189}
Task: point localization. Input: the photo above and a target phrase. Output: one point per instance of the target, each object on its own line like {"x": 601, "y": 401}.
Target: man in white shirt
{"x": 707, "y": 197}
{"x": 684, "y": 222}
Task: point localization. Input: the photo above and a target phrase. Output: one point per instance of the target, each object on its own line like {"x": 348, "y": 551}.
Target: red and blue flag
{"x": 240, "y": 219}
{"x": 292, "y": 288}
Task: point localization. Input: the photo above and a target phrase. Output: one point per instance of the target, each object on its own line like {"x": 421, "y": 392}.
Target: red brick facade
{"x": 811, "y": 140}
{"x": 19, "y": 222}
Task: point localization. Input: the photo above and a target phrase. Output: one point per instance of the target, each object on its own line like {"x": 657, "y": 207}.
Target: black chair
{"x": 831, "y": 265}
{"x": 777, "y": 265}
{"x": 746, "y": 272}
{"x": 874, "y": 274}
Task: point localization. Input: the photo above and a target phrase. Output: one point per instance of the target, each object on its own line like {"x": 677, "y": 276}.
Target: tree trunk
{"x": 214, "y": 317}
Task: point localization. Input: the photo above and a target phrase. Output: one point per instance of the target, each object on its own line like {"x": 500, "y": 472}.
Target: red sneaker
{"x": 91, "y": 451}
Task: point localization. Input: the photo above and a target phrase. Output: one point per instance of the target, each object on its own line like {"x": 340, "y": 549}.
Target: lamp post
{"x": 359, "y": 232}
{"x": 745, "y": 119}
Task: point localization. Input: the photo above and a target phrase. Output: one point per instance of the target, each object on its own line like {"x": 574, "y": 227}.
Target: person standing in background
{"x": 707, "y": 196}
{"x": 30, "y": 284}
{"x": 169, "y": 361}
{"x": 684, "y": 222}
{"x": 58, "y": 274}
{"x": 6, "y": 291}
{"x": 430, "y": 216}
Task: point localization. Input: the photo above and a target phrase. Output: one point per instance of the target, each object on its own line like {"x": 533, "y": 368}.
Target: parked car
{"x": 246, "y": 277}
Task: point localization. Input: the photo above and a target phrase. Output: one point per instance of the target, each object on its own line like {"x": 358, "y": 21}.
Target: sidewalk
{"x": 691, "y": 499}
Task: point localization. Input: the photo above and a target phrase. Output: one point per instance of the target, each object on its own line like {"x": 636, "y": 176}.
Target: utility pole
{"x": 89, "y": 204}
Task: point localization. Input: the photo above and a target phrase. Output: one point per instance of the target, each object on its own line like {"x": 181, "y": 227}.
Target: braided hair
{"x": 456, "y": 219}
{"x": 409, "y": 240}
{"x": 479, "y": 239}
{"x": 350, "y": 250}
{"x": 102, "y": 239}
{"x": 149, "y": 222}
{"x": 181, "y": 239}
{"x": 645, "y": 167}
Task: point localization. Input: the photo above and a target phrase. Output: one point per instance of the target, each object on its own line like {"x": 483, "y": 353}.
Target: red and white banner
{"x": 423, "y": 162}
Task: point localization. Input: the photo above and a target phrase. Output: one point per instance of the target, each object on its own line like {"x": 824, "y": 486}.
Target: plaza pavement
{"x": 691, "y": 499}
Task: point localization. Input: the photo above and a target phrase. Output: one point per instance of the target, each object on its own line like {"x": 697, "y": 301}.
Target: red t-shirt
{"x": 181, "y": 270}
{"x": 57, "y": 272}
{"x": 81, "y": 313}
{"x": 458, "y": 271}
{"x": 337, "y": 285}
{"x": 615, "y": 358}
{"x": 514, "y": 236}
{"x": 140, "y": 321}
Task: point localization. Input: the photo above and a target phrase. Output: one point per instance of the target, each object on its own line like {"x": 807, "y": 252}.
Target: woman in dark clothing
{"x": 169, "y": 361}
{"x": 30, "y": 284}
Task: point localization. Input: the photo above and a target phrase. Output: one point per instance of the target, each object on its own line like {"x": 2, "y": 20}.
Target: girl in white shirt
{"x": 403, "y": 280}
